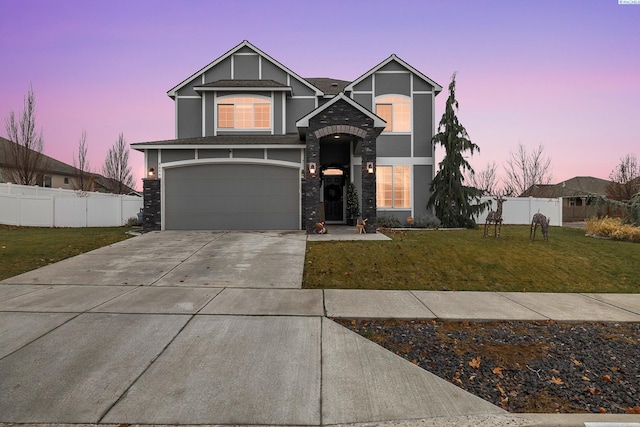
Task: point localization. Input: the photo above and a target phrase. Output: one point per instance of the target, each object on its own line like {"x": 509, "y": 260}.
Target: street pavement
{"x": 213, "y": 328}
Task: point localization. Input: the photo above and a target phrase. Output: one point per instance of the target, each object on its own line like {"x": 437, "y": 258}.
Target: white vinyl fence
{"x": 46, "y": 207}
{"x": 520, "y": 210}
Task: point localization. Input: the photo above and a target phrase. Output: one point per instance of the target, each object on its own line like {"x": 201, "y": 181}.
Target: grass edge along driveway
{"x": 464, "y": 260}
{"x": 24, "y": 249}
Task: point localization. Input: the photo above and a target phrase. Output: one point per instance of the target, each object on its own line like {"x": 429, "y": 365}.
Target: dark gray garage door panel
{"x": 232, "y": 197}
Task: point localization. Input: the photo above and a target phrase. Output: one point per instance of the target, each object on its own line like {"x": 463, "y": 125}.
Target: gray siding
{"x": 187, "y": 90}
{"x": 364, "y": 99}
{"x": 152, "y": 159}
{"x": 422, "y": 116}
{"x": 277, "y": 113}
{"x": 271, "y": 72}
{"x": 393, "y": 66}
{"x": 364, "y": 85}
{"x": 421, "y": 85}
{"x": 286, "y": 155}
{"x": 177, "y": 155}
{"x": 209, "y": 118}
{"x": 248, "y": 154}
{"x": 245, "y": 67}
{"x": 296, "y": 109}
{"x": 221, "y": 71}
{"x": 300, "y": 89}
{"x": 394, "y": 83}
{"x": 393, "y": 146}
{"x": 189, "y": 118}
{"x": 422, "y": 176}
{"x": 213, "y": 153}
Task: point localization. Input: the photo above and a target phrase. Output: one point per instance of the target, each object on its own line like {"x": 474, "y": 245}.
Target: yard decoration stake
{"x": 543, "y": 221}
{"x": 495, "y": 217}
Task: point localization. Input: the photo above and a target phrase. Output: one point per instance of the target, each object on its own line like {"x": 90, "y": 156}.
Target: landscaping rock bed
{"x": 523, "y": 366}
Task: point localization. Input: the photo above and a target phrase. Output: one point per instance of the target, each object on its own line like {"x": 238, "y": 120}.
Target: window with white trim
{"x": 393, "y": 186}
{"x": 244, "y": 112}
{"x": 396, "y": 111}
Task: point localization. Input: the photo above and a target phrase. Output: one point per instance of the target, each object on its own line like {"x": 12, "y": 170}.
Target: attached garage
{"x": 260, "y": 195}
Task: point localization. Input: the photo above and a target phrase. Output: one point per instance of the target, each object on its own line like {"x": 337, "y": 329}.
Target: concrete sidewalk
{"x": 213, "y": 328}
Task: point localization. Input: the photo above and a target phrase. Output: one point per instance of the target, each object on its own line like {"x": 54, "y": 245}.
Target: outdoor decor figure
{"x": 320, "y": 228}
{"x": 495, "y": 217}
{"x": 543, "y": 221}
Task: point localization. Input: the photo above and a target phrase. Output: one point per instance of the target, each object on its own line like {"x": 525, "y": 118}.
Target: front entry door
{"x": 333, "y": 198}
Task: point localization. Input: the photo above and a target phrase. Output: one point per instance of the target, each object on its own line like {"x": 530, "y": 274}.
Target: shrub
{"x": 427, "y": 221}
{"x": 634, "y": 211}
{"x": 133, "y": 221}
{"x": 612, "y": 228}
{"x": 388, "y": 221}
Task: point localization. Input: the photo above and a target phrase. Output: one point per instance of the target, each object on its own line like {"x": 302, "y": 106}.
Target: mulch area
{"x": 548, "y": 367}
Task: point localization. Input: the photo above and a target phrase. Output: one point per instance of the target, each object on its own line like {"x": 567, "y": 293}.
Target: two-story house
{"x": 259, "y": 147}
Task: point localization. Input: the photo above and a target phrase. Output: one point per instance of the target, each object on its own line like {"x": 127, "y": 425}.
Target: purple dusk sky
{"x": 564, "y": 74}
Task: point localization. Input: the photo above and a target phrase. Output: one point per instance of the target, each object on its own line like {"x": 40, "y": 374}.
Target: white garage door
{"x": 232, "y": 197}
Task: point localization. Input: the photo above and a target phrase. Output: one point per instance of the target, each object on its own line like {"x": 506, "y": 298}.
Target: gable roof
{"x": 327, "y": 85}
{"x": 377, "y": 121}
{"x": 436, "y": 87}
{"x": 47, "y": 165}
{"x": 245, "y": 43}
{"x": 52, "y": 166}
{"x": 574, "y": 187}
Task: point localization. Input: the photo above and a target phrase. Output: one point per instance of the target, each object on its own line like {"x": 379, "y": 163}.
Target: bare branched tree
{"x": 83, "y": 181}
{"x": 524, "y": 170}
{"x": 116, "y": 167}
{"x": 24, "y": 158}
{"x": 486, "y": 180}
{"x": 625, "y": 179}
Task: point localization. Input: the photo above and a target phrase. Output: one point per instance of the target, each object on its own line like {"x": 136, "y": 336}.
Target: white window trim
{"x": 217, "y": 102}
{"x": 391, "y": 132}
{"x": 393, "y": 197}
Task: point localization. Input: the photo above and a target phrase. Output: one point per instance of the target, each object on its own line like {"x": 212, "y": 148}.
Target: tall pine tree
{"x": 455, "y": 203}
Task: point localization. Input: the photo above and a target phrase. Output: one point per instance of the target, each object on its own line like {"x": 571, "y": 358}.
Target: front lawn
{"x": 25, "y": 248}
{"x": 464, "y": 260}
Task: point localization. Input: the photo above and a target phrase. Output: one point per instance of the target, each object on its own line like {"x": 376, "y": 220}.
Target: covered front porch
{"x": 340, "y": 139}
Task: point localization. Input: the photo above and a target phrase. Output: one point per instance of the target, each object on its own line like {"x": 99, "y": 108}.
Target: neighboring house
{"x": 259, "y": 147}
{"x": 581, "y": 197}
{"x": 53, "y": 173}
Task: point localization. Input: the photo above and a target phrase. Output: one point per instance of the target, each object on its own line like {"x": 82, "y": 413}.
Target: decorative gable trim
{"x": 245, "y": 43}
{"x": 436, "y": 87}
{"x": 377, "y": 121}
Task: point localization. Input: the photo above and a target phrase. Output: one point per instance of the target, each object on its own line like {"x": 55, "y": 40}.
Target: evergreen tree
{"x": 452, "y": 200}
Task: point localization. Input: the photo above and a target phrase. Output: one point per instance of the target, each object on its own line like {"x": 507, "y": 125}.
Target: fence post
{"x": 53, "y": 211}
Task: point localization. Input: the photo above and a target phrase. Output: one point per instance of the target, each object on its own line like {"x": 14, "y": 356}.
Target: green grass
{"x": 464, "y": 260}
{"x": 23, "y": 249}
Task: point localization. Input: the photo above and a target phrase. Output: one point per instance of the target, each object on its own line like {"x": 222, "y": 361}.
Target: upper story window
{"x": 396, "y": 111}
{"x": 244, "y": 112}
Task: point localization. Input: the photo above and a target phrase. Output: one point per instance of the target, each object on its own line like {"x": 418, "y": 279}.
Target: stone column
{"x": 311, "y": 185}
{"x": 368, "y": 202}
{"x": 151, "y": 205}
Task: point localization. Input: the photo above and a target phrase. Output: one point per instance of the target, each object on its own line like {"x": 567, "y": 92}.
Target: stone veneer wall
{"x": 151, "y": 205}
{"x": 340, "y": 118}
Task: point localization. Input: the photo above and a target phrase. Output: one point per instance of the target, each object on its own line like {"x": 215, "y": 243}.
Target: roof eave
{"x": 242, "y": 89}
{"x": 436, "y": 87}
{"x": 303, "y": 123}
{"x": 172, "y": 93}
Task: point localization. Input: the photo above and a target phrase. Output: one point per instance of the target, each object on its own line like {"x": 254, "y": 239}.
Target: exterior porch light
{"x": 370, "y": 167}
{"x": 151, "y": 172}
{"x": 312, "y": 168}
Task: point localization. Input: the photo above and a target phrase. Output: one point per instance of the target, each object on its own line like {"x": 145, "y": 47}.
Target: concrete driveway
{"x": 200, "y": 328}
